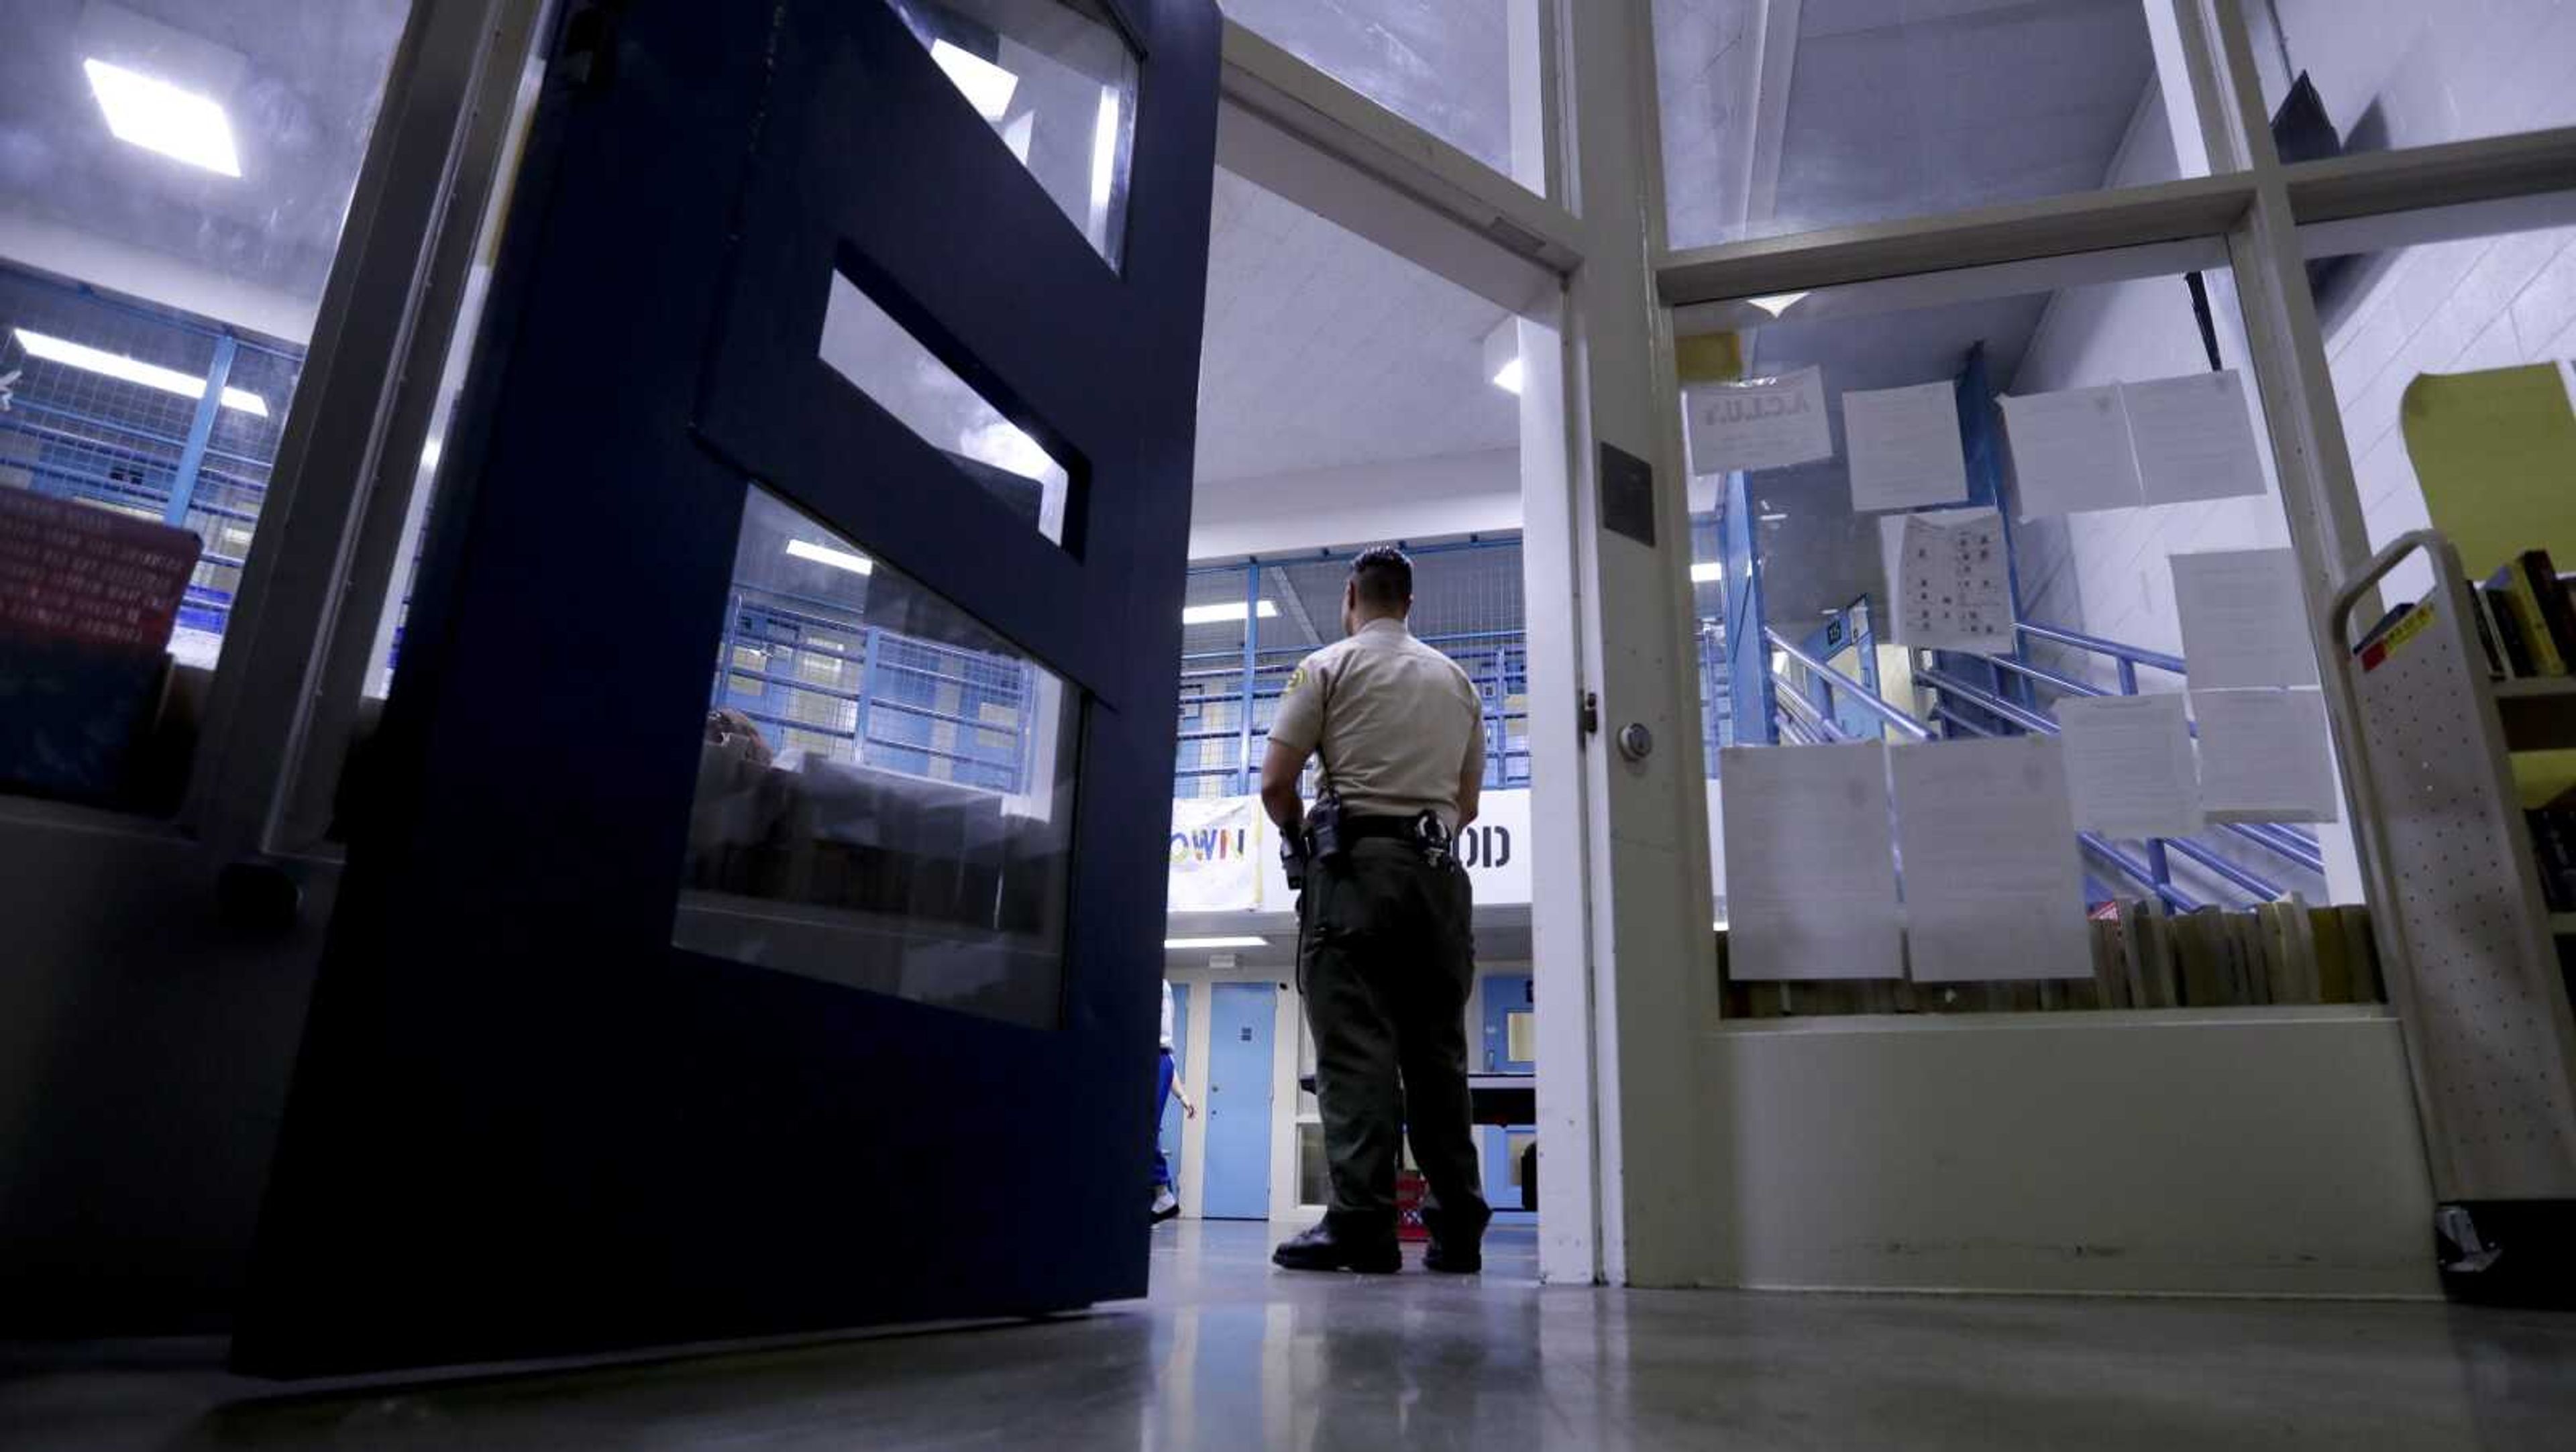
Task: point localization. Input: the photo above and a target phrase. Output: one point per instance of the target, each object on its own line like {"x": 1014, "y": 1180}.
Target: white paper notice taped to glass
{"x": 2194, "y": 437}
{"x": 2244, "y": 622}
{"x": 1992, "y": 886}
{"x": 1810, "y": 883}
{"x": 2129, "y": 770}
{"x": 2263, "y": 756}
{"x": 1904, "y": 448}
{"x": 2071, "y": 451}
{"x": 1953, "y": 580}
{"x": 1762, "y": 423}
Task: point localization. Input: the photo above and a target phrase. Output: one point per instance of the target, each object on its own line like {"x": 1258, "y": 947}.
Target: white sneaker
{"x": 1166, "y": 1204}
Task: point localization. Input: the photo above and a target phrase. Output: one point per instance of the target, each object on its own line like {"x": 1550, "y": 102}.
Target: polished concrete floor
{"x": 1227, "y": 1354}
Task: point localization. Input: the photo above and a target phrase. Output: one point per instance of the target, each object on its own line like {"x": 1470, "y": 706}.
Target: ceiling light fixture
{"x": 133, "y": 370}
{"x": 1777, "y": 303}
{"x": 1187, "y": 944}
{"x": 1219, "y": 614}
{"x": 1709, "y": 572}
{"x": 158, "y": 116}
{"x": 987, "y": 87}
{"x": 1773, "y": 518}
{"x": 826, "y": 555}
{"x": 1509, "y": 379}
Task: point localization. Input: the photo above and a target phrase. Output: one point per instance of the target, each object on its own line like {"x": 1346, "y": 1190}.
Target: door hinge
{"x": 1588, "y": 715}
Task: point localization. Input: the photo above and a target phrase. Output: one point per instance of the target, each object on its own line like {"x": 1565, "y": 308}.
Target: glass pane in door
{"x": 885, "y": 791}
{"x": 1057, "y": 82}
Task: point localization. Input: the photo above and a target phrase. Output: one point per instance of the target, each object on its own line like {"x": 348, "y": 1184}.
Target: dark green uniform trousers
{"x": 1386, "y": 964}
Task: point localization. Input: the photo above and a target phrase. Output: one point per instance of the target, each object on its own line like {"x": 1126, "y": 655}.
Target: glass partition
{"x": 2408, "y": 320}
{"x": 1056, "y": 81}
{"x": 2346, "y": 77}
{"x": 2015, "y": 563}
{"x": 1457, "y": 70}
{"x": 885, "y": 793}
{"x": 171, "y": 198}
{"x": 1796, "y": 118}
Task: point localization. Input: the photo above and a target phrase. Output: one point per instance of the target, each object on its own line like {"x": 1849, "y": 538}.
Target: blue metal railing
{"x": 116, "y": 452}
{"x": 1808, "y": 721}
{"x": 1230, "y": 695}
{"x": 891, "y": 715}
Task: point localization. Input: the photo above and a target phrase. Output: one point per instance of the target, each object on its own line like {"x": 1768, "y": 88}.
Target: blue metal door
{"x": 1507, "y": 994}
{"x": 1167, "y": 1135}
{"x": 1508, "y": 997}
{"x": 879, "y": 1047}
{"x": 1242, "y": 1035}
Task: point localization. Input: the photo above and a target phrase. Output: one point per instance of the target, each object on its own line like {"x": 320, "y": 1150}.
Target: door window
{"x": 884, "y": 795}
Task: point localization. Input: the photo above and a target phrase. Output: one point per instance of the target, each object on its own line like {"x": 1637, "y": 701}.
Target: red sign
{"x": 78, "y": 574}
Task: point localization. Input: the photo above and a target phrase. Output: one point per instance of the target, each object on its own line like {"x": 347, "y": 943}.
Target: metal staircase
{"x": 2012, "y": 701}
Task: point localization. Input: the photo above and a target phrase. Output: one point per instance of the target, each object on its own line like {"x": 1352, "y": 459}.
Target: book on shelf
{"x": 2532, "y": 616}
{"x": 2553, "y": 848}
{"x": 2362, "y": 954}
{"x": 2334, "y": 962}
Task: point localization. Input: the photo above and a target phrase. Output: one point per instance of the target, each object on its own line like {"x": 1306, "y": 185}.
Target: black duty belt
{"x": 1400, "y": 829}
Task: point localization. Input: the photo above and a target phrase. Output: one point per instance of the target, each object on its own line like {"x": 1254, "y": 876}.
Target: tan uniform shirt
{"x": 1398, "y": 723}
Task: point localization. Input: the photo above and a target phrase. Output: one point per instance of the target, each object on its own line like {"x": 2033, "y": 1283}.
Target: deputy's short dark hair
{"x": 1384, "y": 577}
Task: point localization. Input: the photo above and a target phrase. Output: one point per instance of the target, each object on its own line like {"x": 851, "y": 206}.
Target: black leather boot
{"x": 1457, "y": 1241}
{"x": 1326, "y": 1249}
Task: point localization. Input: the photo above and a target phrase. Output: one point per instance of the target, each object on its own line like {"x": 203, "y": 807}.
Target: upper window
{"x": 1796, "y": 118}
{"x": 172, "y": 189}
{"x": 1457, "y": 69}
{"x": 1058, "y": 84}
{"x": 2347, "y": 76}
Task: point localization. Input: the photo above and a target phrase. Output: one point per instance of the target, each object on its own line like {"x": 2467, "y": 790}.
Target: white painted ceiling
{"x": 1325, "y": 350}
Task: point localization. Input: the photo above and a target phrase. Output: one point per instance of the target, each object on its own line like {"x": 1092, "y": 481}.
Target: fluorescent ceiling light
{"x": 987, "y": 86}
{"x": 1777, "y": 303}
{"x": 826, "y": 555}
{"x": 1509, "y": 380}
{"x": 134, "y": 370}
{"x": 1185, "y": 944}
{"x": 1217, "y": 614}
{"x": 1104, "y": 151}
{"x": 158, "y": 116}
{"x": 1774, "y": 518}
{"x": 1709, "y": 572}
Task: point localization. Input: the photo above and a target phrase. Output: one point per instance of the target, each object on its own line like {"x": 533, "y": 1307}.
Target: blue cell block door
{"x": 524, "y": 1121}
{"x": 1168, "y": 1134}
{"x": 1507, "y": 994}
{"x": 1242, "y": 1035}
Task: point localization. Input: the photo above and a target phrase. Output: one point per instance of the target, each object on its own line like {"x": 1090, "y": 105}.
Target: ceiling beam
{"x": 2168, "y": 212}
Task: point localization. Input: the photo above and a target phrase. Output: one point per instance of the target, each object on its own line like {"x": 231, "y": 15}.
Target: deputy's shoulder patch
{"x": 1296, "y": 680}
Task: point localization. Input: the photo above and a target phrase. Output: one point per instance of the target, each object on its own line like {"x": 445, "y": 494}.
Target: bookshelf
{"x": 2469, "y": 948}
{"x": 2539, "y": 714}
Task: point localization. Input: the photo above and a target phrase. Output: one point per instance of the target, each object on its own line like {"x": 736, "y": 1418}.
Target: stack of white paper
{"x": 2263, "y": 756}
{"x": 1951, "y": 574}
{"x": 2195, "y": 438}
{"x": 1810, "y": 886}
{"x": 2129, "y": 769}
{"x": 1764, "y": 423}
{"x": 1987, "y": 838}
{"x": 1904, "y": 447}
{"x": 2162, "y": 441}
{"x": 2071, "y": 451}
{"x": 2244, "y": 621}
